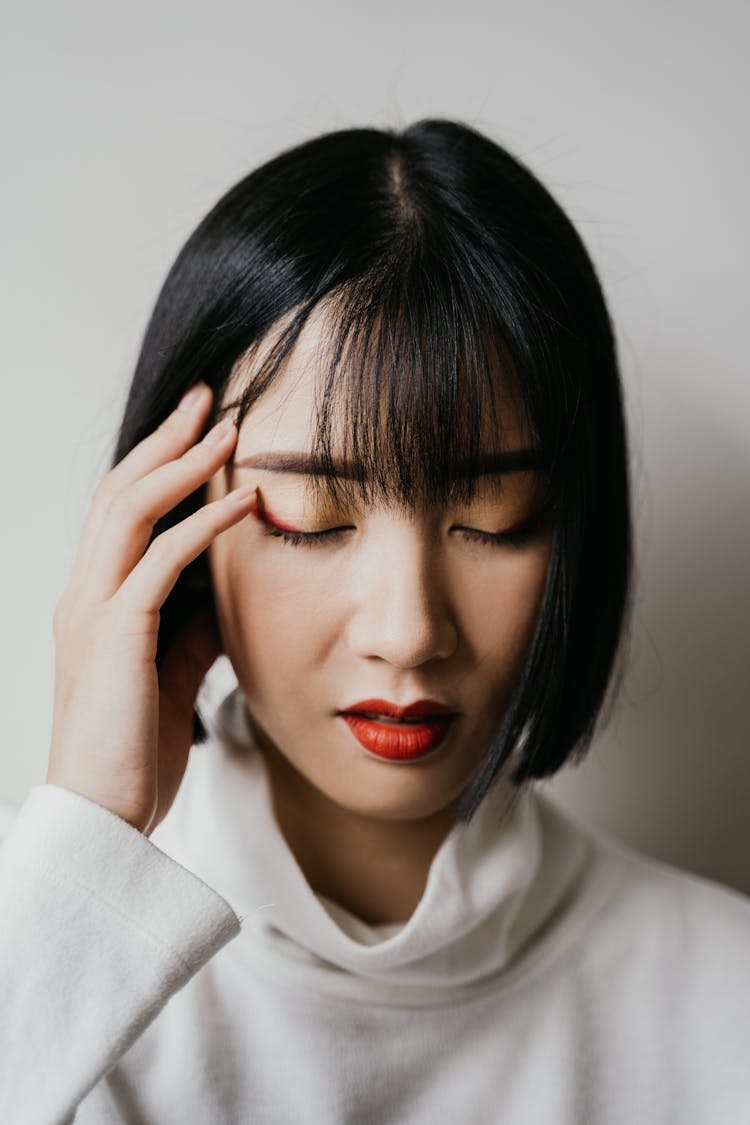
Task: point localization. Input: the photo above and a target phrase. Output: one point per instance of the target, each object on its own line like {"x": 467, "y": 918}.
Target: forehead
{"x": 285, "y": 417}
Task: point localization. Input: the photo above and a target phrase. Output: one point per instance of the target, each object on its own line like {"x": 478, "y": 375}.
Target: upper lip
{"x": 415, "y": 710}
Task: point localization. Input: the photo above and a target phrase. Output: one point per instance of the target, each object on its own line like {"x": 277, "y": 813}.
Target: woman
{"x": 409, "y": 536}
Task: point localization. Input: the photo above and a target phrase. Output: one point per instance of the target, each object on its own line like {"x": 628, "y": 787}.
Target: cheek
{"x": 500, "y": 605}
{"x": 274, "y": 606}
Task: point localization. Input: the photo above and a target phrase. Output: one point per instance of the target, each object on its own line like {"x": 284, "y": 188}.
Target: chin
{"x": 333, "y": 771}
{"x": 382, "y": 790}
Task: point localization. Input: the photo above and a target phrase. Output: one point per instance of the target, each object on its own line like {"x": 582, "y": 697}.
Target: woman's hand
{"x": 121, "y": 731}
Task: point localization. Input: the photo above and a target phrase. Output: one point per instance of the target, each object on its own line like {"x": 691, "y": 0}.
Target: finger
{"x": 132, "y": 515}
{"x": 177, "y": 433}
{"x": 148, "y": 585}
{"x": 167, "y": 441}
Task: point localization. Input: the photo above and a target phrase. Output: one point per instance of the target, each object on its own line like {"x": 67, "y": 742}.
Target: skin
{"x": 403, "y": 607}
{"x": 121, "y": 727}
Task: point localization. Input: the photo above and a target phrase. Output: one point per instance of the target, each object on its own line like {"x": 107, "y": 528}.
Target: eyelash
{"x": 487, "y": 538}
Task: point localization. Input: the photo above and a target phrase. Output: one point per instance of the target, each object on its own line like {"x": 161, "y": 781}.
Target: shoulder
{"x": 655, "y": 966}
{"x": 672, "y": 900}
{"x": 638, "y": 880}
{"x": 662, "y": 930}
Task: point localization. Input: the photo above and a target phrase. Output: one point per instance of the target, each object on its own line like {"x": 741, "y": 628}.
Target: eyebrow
{"x": 304, "y": 464}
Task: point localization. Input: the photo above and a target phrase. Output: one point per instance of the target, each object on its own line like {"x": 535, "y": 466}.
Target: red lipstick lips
{"x": 398, "y": 733}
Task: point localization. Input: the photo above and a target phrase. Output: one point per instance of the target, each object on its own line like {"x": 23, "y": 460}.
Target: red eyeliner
{"x": 260, "y": 511}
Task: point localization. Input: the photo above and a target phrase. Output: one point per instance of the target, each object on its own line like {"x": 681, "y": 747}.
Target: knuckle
{"x": 127, "y": 507}
{"x": 121, "y": 502}
{"x": 199, "y": 452}
{"x": 163, "y": 550}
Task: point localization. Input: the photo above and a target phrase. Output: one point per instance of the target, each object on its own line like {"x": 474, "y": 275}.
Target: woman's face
{"x": 397, "y": 607}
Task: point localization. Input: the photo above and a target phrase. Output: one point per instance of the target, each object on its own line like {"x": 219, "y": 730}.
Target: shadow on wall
{"x": 670, "y": 775}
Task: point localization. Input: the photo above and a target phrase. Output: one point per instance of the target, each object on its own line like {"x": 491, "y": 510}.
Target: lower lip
{"x": 399, "y": 742}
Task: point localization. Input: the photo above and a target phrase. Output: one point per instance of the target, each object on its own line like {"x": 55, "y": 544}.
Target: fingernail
{"x": 241, "y": 495}
{"x": 188, "y": 400}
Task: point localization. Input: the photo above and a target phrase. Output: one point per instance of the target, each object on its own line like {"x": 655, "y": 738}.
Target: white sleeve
{"x": 98, "y": 928}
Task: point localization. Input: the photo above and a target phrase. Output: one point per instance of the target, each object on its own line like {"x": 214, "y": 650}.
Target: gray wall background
{"x": 122, "y": 124}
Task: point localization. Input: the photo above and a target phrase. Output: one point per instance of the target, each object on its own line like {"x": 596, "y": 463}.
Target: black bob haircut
{"x": 436, "y": 250}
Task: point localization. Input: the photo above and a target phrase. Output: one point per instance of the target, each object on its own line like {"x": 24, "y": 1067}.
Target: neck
{"x": 375, "y": 869}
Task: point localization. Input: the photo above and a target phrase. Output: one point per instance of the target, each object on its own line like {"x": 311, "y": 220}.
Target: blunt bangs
{"x": 411, "y": 395}
{"x": 451, "y": 285}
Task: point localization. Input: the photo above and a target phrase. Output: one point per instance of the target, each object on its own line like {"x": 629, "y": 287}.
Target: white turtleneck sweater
{"x": 548, "y": 975}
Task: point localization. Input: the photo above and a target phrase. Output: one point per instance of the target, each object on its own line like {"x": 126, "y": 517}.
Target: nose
{"x": 401, "y": 608}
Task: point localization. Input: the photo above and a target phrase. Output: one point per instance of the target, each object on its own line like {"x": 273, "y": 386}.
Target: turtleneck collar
{"x": 491, "y": 884}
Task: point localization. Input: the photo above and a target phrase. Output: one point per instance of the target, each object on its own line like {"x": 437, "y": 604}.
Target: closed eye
{"x": 307, "y": 538}
{"x": 291, "y": 535}
{"x": 518, "y": 534}
{"x": 515, "y": 536}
